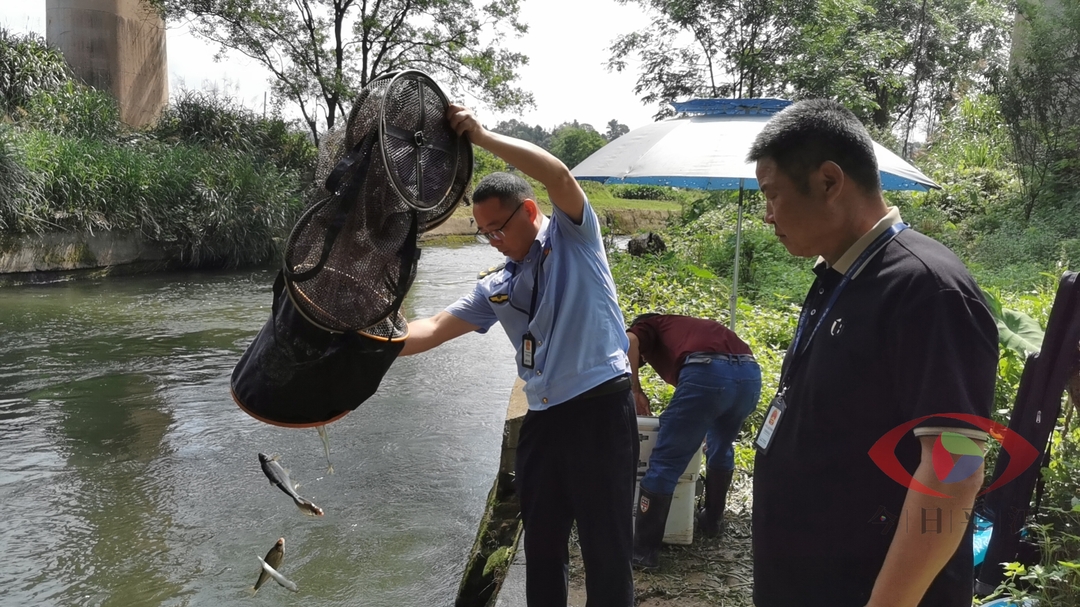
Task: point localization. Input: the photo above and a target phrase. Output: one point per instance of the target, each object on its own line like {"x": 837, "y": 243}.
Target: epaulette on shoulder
{"x": 490, "y": 271}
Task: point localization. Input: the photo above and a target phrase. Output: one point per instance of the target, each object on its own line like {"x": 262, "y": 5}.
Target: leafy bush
{"x": 968, "y": 156}
{"x": 572, "y": 144}
{"x": 485, "y": 163}
{"x": 1055, "y": 580}
{"x": 646, "y": 192}
{"x": 767, "y": 272}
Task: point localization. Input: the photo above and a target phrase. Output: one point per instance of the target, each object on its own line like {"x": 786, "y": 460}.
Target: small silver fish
{"x": 326, "y": 447}
{"x": 280, "y": 579}
{"x": 278, "y": 476}
{"x": 273, "y": 558}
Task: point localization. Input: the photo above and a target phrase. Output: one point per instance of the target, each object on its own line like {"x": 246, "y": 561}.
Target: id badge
{"x": 528, "y": 346}
{"x": 772, "y": 421}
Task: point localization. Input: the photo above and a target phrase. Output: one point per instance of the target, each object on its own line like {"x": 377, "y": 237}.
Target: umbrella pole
{"x": 735, "y": 275}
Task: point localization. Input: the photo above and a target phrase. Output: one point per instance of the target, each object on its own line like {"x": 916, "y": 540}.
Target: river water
{"x": 129, "y": 477}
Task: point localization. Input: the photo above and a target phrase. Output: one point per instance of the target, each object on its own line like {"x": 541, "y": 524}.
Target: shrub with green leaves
{"x": 669, "y": 284}
{"x": 1055, "y": 580}
{"x": 646, "y": 192}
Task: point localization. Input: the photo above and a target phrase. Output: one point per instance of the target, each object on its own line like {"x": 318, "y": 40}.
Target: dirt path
{"x": 707, "y": 573}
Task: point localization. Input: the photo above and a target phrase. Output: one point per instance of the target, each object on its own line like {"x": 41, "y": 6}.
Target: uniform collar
{"x": 844, "y": 263}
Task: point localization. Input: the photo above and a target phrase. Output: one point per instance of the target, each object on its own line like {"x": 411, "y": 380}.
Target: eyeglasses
{"x": 496, "y": 234}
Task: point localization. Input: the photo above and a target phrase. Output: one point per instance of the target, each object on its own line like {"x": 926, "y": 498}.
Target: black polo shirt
{"x": 909, "y": 336}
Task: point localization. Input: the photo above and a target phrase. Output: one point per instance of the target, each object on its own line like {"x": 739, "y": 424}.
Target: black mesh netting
{"x": 395, "y": 170}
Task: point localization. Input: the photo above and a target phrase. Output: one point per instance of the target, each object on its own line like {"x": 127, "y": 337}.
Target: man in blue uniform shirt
{"x": 555, "y": 298}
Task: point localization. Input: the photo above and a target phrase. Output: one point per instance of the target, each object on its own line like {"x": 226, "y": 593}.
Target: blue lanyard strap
{"x": 544, "y": 250}
{"x": 875, "y": 246}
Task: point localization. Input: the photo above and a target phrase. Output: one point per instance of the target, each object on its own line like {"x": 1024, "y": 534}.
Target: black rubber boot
{"x": 710, "y": 519}
{"x": 650, "y": 519}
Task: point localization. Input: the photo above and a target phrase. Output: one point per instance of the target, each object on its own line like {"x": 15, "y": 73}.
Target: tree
{"x": 322, "y": 52}
{"x": 615, "y": 130}
{"x": 732, "y": 50}
{"x": 535, "y": 134}
{"x": 892, "y": 62}
{"x": 1041, "y": 101}
{"x": 573, "y": 142}
{"x": 900, "y": 65}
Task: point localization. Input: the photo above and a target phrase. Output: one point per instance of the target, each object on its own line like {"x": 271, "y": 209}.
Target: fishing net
{"x": 394, "y": 170}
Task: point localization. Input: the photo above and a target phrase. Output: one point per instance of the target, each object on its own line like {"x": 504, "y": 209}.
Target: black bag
{"x": 1038, "y": 405}
{"x": 297, "y": 375}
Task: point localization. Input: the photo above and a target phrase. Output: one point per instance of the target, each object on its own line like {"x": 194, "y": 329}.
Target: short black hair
{"x": 641, "y": 317}
{"x": 809, "y": 133}
{"x": 510, "y": 189}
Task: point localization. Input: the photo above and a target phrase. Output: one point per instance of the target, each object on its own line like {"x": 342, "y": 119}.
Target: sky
{"x": 567, "y": 48}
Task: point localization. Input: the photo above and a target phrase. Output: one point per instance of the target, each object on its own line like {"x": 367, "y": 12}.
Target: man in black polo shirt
{"x": 717, "y": 384}
{"x": 893, "y": 331}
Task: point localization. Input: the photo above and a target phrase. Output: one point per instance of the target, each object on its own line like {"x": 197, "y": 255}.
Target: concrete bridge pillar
{"x": 116, "y": 46}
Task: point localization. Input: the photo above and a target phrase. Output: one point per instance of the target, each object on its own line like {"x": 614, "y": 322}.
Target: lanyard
{"x": 536, "y": 284}
{"x": 804, "y": 319}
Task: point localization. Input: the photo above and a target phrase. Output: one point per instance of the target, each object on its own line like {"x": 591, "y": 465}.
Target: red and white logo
{"x": 644, "y": 504}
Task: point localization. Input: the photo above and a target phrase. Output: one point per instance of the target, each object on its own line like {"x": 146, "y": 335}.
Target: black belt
{"x": 611, "y": 386}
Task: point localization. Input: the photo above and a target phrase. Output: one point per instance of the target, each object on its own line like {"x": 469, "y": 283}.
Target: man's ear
{"x": 831, "y": 179}
{"x": 531, "y": 209}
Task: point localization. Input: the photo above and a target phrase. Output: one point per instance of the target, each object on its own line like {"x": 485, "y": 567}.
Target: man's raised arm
{"x": 530, "y": 159}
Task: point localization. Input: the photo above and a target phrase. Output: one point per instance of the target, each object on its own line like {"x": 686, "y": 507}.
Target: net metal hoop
{"x": 393, "y": 136}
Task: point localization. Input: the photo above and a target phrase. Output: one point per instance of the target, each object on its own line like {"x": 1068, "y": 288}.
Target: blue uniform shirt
{"x": 578, "y": 326}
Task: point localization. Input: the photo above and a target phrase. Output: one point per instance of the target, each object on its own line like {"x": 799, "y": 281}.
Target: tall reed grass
{"x": 211, "y": 180}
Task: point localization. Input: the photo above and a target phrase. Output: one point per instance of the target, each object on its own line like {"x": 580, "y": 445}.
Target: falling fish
{"x": 280, "y": 579}
{"x": 278, "y": 476}
{"x": 273, "y": 559}
{"x": 326, "y": 447}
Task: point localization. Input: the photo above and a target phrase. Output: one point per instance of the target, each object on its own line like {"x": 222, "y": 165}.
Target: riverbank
{"x": 706, "y": 573}
{"x": 621, "y": 221}
{"x": 31, "y": 255}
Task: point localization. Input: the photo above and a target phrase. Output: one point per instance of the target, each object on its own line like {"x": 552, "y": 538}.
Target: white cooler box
{"x": 680, "y": 522}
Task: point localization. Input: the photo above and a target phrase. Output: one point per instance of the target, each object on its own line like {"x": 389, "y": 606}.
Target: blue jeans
{"x": 714, "y": 396}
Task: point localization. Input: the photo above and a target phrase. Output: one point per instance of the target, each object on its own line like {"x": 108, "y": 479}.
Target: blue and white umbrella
{"x": 706, "y": 149}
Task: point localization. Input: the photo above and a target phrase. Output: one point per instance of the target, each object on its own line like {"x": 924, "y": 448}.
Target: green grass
{"x": 600, "y": 197}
